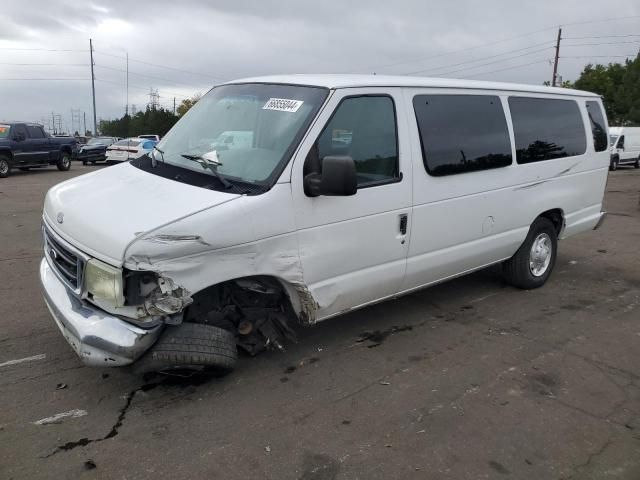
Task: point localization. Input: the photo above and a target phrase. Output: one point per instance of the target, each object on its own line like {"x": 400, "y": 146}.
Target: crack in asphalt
{"x": 83, "y": 442}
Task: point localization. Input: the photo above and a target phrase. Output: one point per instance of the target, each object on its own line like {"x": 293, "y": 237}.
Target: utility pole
{"x": 555, "y": 63}
{"x": 93, "y": 90}
{"x": 53, "y": 122}
{"x": 174, "y": 105}
{"x": 84, "y": 117}
{"x": 126, "y": 109}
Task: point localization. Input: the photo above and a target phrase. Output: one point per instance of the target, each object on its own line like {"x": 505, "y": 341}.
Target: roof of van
{"x": 353, "y": 81}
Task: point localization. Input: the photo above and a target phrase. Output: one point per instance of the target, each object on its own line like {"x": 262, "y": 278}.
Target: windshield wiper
{"x": 209, "y": 161}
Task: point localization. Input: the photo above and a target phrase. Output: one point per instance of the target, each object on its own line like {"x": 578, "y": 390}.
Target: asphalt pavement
{"x": 471, "y": 379}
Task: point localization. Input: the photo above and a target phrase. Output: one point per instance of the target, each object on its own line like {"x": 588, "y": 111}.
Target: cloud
{"x": 206, "y": 43}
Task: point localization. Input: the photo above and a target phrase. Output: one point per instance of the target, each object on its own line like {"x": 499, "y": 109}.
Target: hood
{"x": 93, "y": 147}
{"x": 104, "y": 211}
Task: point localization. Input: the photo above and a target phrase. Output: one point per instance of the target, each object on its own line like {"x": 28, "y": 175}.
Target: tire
{"x": 190, "y": 348}
{"x": 526, "y": 269}
{"x": 614, "y": 164}
{"x": 637, "y": 164}
{"x": 5, "y": 166}
{"x": 64, "y": 162}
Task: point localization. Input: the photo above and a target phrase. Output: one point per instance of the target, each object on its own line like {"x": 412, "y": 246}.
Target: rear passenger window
{"x": 546, "y": 128}
{"x": 35, "y": 131}
{"x": 462, "y": 133}
{"x": 600, "y": 140}
{"x": 363, "y": 128}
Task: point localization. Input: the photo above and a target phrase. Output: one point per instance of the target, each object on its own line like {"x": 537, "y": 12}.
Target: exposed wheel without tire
{"x": 64, "y": 163}
{"x": 191, "y": 348}
{"x": 5, "y": 166}
{"x": 532, "y": 264}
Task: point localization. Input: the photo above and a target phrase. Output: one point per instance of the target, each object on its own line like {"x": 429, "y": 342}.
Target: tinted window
{"x": 127, "y": 143}
{"x": 462, "y": 133}
{"x": 35, "y": 131}
{"x": 19, "y": 130}
{"x": 546, "y": 128}
{"x": 363, "y": 128}
{"x": 597, "y": 126}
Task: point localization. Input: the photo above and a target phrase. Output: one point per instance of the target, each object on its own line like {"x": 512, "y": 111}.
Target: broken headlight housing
{"x": 104, "y": 282}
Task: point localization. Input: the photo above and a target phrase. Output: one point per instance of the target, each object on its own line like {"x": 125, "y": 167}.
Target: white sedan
{"x": 129, "y": 149}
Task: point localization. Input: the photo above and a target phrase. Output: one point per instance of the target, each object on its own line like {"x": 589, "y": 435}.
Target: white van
{"x": 625, "y": 146}
{"x": 353, "y": 190}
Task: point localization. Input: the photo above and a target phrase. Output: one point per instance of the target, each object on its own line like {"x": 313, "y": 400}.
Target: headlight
{"x": 104, "y": 282}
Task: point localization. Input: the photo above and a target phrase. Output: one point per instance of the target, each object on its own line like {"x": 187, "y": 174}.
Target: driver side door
{"x": 353, "y": 249}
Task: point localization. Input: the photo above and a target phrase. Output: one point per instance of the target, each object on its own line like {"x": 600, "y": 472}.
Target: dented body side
{"x": 251, "y": 236}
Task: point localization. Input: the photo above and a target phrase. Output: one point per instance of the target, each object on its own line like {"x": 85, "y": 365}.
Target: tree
{"x": 619, "y": 86}
{"x": 187, "y": 103}
{"x": 152, "y": 121}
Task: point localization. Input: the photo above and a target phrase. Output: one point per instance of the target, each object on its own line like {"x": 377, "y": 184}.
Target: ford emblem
{"x": 60, "y": 217}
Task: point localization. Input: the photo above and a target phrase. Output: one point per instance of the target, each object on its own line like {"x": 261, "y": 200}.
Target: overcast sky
{"x": 204, "y": 43}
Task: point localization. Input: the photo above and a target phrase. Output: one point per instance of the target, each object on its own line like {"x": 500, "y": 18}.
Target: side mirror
{"x": 338, "y": 178}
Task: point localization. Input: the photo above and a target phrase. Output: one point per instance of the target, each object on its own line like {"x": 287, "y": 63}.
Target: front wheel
{"x": 5, "y": 167}
{"x": 532, "y": 264}
{"x": 190, "y": 348}
{"x": 614, "y": 164}
{"x": 64, "y": 163}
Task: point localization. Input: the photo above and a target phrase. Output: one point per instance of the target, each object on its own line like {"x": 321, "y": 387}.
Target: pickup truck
{"x": 27, "y": 145}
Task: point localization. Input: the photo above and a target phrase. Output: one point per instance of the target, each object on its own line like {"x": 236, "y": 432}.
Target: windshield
{"x": 612, "y": 139}
{"x": 251, "y": 130}
{"x": 4, "y": 131}
{"x": 99, "y": 141}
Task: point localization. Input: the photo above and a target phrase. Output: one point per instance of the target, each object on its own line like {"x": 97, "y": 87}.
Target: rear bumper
{"x": 603, "y": 215}
{"x": 98, "y": 338}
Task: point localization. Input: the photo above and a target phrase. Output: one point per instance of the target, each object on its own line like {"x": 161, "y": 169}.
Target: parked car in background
{"x": 81, "y": 140}
{"x": 356, "y": 189}
{"x": 625, "y": 146}
{"x": 27, "y": 145}
{"x": 128, "y": 149}
{"x": 150, "y": 137}
{"x": 95, "y": 150}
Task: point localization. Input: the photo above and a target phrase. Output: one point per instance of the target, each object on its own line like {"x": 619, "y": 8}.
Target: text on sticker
{"x": 283, "y": 105}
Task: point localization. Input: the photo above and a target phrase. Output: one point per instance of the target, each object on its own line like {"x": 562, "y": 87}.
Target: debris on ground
{"x": 61, "y": 386}
{"x": 89, "y": 465}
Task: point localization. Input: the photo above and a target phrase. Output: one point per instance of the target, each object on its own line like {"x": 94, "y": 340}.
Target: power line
{"x": 494, "y": 62}
{"x": 486, "y": 58}
{"x": 420, "y": 59}
{"x": 145, "y": 75}
{"x": 601, "y": 56}
{"x": 141, "y": 87}
{"x": 601, "y": 43}
{"x": 43, "y": 79}
{"x": 510, "y": 68}
{"x": 602, "y": 36}
{"x": 161, "y": 66}
{"x": 46, "y": 64}
{"x": 445, "y": 54}
{"x": 40, "y": 49}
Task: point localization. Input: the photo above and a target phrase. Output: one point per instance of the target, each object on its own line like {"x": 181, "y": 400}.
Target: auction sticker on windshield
{"x": 4, "y": 130}
{"x": 283, "y": 105}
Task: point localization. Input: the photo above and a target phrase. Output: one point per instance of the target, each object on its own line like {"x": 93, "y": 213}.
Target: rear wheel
{"x": 64, "y": 163}
{"x": 532, "y": 264}
{"x": 191, "y": 348}
{"x": 5, "y": 166}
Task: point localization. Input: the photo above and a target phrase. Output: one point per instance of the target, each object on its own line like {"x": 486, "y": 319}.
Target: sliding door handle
{"x": 403, "y": 224}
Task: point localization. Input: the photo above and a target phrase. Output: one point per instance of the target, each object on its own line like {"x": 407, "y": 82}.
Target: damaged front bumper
{"x": 100, "y": 339}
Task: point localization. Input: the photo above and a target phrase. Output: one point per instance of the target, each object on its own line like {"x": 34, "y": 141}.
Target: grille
{"x": 67, "y": 264}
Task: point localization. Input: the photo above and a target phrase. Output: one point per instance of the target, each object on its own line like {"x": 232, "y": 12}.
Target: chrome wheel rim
{"x": 65, "y": 161}
{"x": 4, "y": 167}
{"x": 540, "y": 255}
